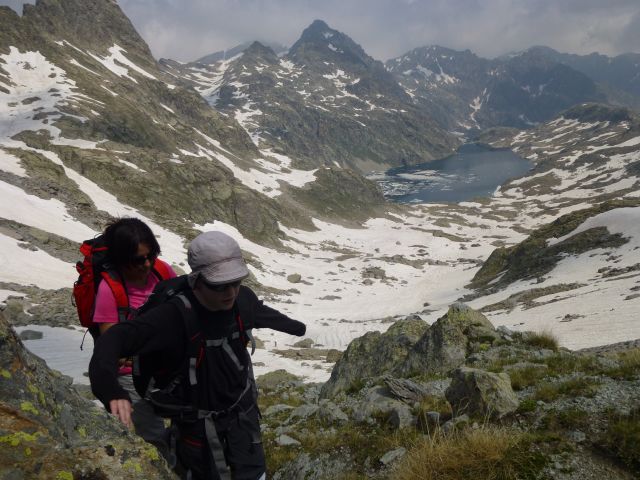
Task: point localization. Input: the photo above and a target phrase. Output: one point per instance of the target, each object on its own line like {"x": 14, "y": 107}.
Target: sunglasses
{"x": 221, "y": 288}
{"x": 141, "y": 259}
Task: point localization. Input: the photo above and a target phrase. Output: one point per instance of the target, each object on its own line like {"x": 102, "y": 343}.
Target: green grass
{"x": 487, "y": 453}
{"x": 522, "y": 378}
{"x": 569, "y": 419}
{"x": 575, "y": 387}
{"x": 432, "y": 403}
{"x": 364, "y": 444}
{"x": 628, "y": 365}
{"x": 622, "y": 440}
{"x": 544, "y": 339}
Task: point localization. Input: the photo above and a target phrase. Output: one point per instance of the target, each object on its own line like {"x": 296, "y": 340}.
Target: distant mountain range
{"x": 323, "y": 100}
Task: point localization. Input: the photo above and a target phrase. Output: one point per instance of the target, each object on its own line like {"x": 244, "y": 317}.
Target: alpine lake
{"x": 473, "y": 171}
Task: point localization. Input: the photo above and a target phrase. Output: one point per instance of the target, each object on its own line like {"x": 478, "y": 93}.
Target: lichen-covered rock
{"x": 446, "y": 343}
{"x": 277, "y": 379}
{"x": 330, "y": 413}
{"x": 373, "y": 355}
{"x": 304, "y": 467}
{"x": 47, "y": 430}
{"x": 377, "y": 402}
{"x": 480, "y": 393}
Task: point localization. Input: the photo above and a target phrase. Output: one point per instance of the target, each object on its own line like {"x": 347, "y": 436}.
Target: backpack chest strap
{"x": 224, "y": 343}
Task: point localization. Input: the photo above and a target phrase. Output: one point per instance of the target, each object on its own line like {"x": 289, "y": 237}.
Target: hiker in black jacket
{"x": 199, "y": 337}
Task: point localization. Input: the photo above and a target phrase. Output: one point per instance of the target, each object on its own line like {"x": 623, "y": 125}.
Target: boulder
{"x": 287, "y": 441}
{"x": 447, "y": 342}
{"x": 377, "y": 402}
{"x": 393, "y": 455}
{"x": 480, "y": 393}
{"x": 373, "y": 355}
{"x": 401, "y": 416}
{"x": 302, "y": 413}
{"x": 277, "y": 379}
{"x": 304, "y": 343}
{"x": 405, "y": 389}
{"x": 47, "y": 430}
{"x": 330, "y": 413}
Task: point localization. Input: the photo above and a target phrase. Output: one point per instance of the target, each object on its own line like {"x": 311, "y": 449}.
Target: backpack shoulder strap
{"x": 161, "y": 269}
{"x": 119, "y": 293}
{"x": 244, "y": 318}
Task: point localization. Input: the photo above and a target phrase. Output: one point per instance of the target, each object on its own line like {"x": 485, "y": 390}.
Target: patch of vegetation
{"x": 432, "y": 403}
{"x": 543, "y": 339}
{"x": 527, "y": 405}
{"x": 522, "y": 378}
{"x": 355, "y": 386}
{"x": 575, "y": 387}
{"x": 569, "y": 419}
{"x": 622, "y": 439}
{"x": 293, "y": 398}
{"x": 363, "y": 443}
{"x": 492, "y": 453}
{"x": 564, "y": 364}
{"x": 533, "y": 258}
{"x": 628, "y": 365}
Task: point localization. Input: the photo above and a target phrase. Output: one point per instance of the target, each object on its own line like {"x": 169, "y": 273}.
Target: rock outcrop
{"x": 479, "y": 393}
{"x": 447, "y": 342}
{"x": 467, "y": 377}
{"x": 47, "y": 430}
{"x": 410, "y": 347}
{"x": 373, "y": 355}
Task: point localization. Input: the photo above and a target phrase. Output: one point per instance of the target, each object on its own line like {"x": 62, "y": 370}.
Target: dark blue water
{"x": 473, "y": 171}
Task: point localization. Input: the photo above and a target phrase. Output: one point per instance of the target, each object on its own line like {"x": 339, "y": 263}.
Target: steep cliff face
{"x": 47, "y": 430}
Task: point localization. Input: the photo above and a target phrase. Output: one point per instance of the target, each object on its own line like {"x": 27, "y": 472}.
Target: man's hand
{"x": 122, "y": 409}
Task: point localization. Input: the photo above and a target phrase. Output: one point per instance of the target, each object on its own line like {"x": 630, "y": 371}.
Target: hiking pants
{"x": 147, "y": 424}
{"x": 228, "y": 447}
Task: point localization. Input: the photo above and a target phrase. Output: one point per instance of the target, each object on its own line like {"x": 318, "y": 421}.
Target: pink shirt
{"x": 106, "y": 309}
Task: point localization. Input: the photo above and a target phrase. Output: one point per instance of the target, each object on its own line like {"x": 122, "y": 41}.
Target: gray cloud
{"x": 188, "y": 29}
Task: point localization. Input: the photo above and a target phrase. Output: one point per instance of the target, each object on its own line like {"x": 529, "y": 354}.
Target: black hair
{"x": 122, "y": 237}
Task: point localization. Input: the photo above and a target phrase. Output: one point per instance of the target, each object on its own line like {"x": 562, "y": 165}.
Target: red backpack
{"x": 94, "y": 268}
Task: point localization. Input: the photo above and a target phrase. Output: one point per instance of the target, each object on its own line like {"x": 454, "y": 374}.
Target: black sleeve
{"x": 157, "y": 330}
{"x": 267, "y": 317}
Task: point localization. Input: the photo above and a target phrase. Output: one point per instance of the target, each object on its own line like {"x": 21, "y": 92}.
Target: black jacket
{"x": 160, "y": 333}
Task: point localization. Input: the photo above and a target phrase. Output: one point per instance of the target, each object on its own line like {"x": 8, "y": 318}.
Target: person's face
{"x": 139, "y": 267}
{"x": 217, "y": 297}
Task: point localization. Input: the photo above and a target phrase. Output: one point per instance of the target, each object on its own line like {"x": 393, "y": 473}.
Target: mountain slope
{"x": 326, "y": 102}
{"x": 470, "y": 93}
{"x": 621, "y": 72}
{"x": 88, "y": 100}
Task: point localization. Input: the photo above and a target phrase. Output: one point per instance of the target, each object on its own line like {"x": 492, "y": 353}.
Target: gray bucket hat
{"x": 217, "y": 257}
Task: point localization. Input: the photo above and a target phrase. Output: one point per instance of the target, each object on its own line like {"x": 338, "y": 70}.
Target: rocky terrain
{"x": 458, "y": 399}
{"x": 49, "y": 431}
{"x": 515, "y": 403}
{"x": 269, "y": 148}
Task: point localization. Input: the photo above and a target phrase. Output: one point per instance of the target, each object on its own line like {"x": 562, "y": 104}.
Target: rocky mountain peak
{"x": 232, "y": 52}
{"x": 262, "y": 52}
{"x": 320, "y": 42}
{"x": 98, "y": 24}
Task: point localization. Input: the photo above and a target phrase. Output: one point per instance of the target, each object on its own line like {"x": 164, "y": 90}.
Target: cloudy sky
{"x": 188, "y": 29}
